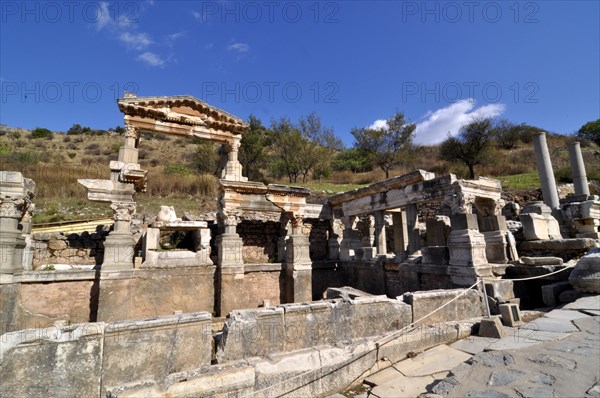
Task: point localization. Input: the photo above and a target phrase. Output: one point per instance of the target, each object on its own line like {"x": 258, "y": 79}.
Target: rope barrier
{"x": 378, "y": 343}
{"x": 387, "y": 339}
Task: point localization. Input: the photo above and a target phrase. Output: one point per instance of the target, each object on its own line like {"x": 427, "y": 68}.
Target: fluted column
{"x": 578, "y": 170}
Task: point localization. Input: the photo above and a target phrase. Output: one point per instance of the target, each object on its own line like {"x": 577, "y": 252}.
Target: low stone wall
{"x": 86, "y": 360}
{"x": 73, "y": 249}
{"x": 37, "y": 299}
{"x": 147, "y": 292}
{"x": 310, "y": 372}
{"x": 469, "y": 305}
{"x": 265, "y": 331}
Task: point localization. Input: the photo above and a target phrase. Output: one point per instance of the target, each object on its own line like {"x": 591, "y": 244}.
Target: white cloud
{"x": 105, "y": 19}
{"x": 197, "y": 15}
{"x": 137, "y": 41}
{"x": 175, "y": 36}
{"x": 239, "y": 47}
{"x": 379, "y": 124}
{"x": 435, "y": 128}
{"x": 209, "y": 46}
{"x": 151, "y": 59}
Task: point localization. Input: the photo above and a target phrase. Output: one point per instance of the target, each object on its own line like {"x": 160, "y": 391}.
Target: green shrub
{"x": 177, "y": 169}
{"x": 41, "y": 132}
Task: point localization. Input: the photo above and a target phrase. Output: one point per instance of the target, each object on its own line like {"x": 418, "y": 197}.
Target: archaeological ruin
{"x": 274, "y": 296}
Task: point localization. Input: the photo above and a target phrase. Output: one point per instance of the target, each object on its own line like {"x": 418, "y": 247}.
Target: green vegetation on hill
{"x": 182, "y": 171}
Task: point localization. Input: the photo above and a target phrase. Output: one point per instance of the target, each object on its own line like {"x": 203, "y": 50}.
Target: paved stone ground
{"x": 557, "y": 355}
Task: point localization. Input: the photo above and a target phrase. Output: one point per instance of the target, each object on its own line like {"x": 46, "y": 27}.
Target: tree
{"x": 471, "y": 145}
{"x": 206, "y": 158}
{"x": 302, "y": 148}
{"x": 507, "y": 135}
{"x": 386, "y": 147}
{"x": 590, "y": 131}
{"x": 352, "y": 159}
{"x": 320, "y": 146}
{"x": 252, "y": 153}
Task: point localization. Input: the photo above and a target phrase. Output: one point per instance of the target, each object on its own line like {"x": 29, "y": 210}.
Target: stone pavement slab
{"x": 511, "y": 343}
{"x": 569, "y": 367}
{"x": 403, "y": 387}
{"x": 585, "y": 303}
{"x": 592, "y": 312}
{"x": 565, "y": 314}
{"x": 438, "y": 359}
{"x": 474, "y": 344}
{"x": 383, "y": 376}
{"x": 552, "y": 325}
{"x": 543, "y": 335}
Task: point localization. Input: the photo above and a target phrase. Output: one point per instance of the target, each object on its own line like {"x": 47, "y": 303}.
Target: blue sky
{"x": 354, "y": 63}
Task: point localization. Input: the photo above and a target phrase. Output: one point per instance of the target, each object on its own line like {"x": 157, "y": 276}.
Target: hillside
{"x": 56, "y": 161}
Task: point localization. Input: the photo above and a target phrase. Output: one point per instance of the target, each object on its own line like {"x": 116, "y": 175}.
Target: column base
{"x": 118, "y": 251}
{"x": 12, "y": 244}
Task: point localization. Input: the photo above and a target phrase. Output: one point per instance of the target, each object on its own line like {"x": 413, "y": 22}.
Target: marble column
{"x": 230, "y": 265}
{"x": 232, "y": 170}
{"x": 400, "y": 234}
{"x": 119, "y": 244}
{"x": 11, "y": 239}
{"x": 380, "y": 237}
{"x": 349, "y": 239}
{"x": 128, "y": 153}
{"x": 544, "y": 165}
{"x": 578, "y": 170}
{"x": 336, "y": 230}
{"x": 414, "y": 239}
{"x": 298, "y": 265}
{"x": 367, "y": 242}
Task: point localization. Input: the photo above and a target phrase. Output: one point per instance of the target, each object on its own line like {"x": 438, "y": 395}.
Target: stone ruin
{"x": 298, "y": 282}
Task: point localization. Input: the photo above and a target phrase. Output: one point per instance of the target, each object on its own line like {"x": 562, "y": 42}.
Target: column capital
{"x": 131, "y": 131}
{"x": 10, "y": 207}
{"x": 123, "y": 211}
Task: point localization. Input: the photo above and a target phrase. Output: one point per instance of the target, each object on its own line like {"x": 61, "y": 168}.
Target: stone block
{"x": 540, "y": 227}
{"x": 542, "y": 260}
{"x": 511, "y": 316}
{"x": 469, "y": 305}
{"x": 438, "y": 255}
{"x": 491, "y": 327}
{"x": 57, "y": 361}
{"x": 585, "y": 277}
{"x": 464, "y": 221}
{"x": 152, "y": 349}
{"x": 492, "y": 223}
{"x": 438, "y": 229}
{"x": 551, "y": 292}
{"x": 467, "y": 248}
{"x": 501, "y": 290}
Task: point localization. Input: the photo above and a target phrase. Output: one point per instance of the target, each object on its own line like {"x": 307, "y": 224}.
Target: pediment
{"x": 181, "y": 109}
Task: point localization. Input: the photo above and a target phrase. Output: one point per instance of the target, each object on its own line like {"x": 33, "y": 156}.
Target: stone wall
{"x": 259, "y": 240}
{"x": 262, "y": 332}
{"x": 72, "y": 249}
{"x": 147, "y": 292}
{"x": 263, "y": 283}
{"x": 37, "y": 299}
{"x": 327, "y": 274}
{"x": 86, "y": 360}
{"x": 50, "y": 296}
{"x": 318, "y": 233}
